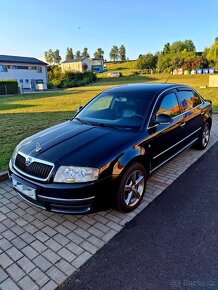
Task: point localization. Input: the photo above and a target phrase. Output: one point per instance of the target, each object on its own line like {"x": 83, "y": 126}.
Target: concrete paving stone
{"x": 94, "y": 231}
{"x": 75, "y": 238}
{"x": 58, "y": 218}
{"x": 5, "y": 200}
{"x": 29, "y": 218}
{"x": 62, "y": 230}
{"x": 109, "y": 235}
{"x": 65, "y": 267}
{"x": 42, "y": 263}
{"x": 51, "y": 223}
{"x": 2, "y": 217}
{"x": 21, "y": 222}
{"x": 14, "y": 254}
{"x": 8, "y": 223}
{"x": 9, "y": 285}
{"x": 82, "y": 233}
{"x": 18, "y": 210}
{"x": 31, "y": 210}
{"x": 38, "y": 246}
{"x": 18, "y": 243}
{"x": 26, "y": 264}
{"x": 49, "y": 231}
{"x": 40, "y": 216}
{"x": 15, "y": 272}
{"x": 3, "y": 275}
{"x": 5, "y": 244}
{"x": 38, "y": 224}
{"x": 70, "y": 226}
{"x": 83, "y": 225}
{"x": 102, "y": 227}
{"x": 28, "y": 238}
{"x": 4, "y": 209}
{"x": 30, "y": 228}
{"x": 89, "y": 247}
{"x": 12, "y": 215}
{"x": 2, "y": 228}
{"x": 9, "y": 235}
{"x": 81, "y": 259}
{"x": 5, "y": 261}
{"x": 41, "y": 236}
{"x": 114, "y": 226}
{"x": 61, "y": 239}
{"x": 66, "y": 254}
{"x": 23, "y": 205}
{"x": 39, "y": 277}
{"x": 96, "y": 241}
{"x": 51, "y": 285}
{"x": 51, "y": 256}
{"x": 12, "y": 206}
{"x": 56, "y": 275}
{"x": 29, "y": 252}
{"x": 27, "y": 284}
{"x": 113, "y": 218}
{"x": 53, "y": 245}
{"x": 88, "y": 220}
{"x": 74, "y": 248}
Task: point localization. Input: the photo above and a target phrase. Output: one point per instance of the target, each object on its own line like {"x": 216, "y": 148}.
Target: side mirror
{"x": 163, "y": 119}
{"x": 79, "y": 108}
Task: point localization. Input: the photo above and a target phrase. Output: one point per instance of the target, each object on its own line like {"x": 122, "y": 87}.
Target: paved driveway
{"x": 40, "y": 250}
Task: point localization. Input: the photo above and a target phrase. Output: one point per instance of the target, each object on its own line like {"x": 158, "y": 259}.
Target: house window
{"x": 3, "y": 68}
{"x": 39, "y": 81}
{"x": 39, "y": 69}
{"x": 26, "y": 81}
{"x": 21, "y": 81}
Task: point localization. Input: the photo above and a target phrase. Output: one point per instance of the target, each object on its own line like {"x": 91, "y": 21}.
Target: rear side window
{"x": 169, "y": 105}
{"x": 188, "y": 99}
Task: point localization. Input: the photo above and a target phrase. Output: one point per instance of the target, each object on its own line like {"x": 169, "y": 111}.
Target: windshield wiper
{"x": 111, "y": 126}
{"x": 80, "y": 120}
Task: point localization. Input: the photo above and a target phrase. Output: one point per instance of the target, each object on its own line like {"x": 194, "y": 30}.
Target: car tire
{"x": 203, "y": 138}
{"x": 131, "y": 188}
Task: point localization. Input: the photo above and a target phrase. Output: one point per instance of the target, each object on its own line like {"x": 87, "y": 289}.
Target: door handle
{"x": 202, "y": 113}
{"x": 183, "y": 124}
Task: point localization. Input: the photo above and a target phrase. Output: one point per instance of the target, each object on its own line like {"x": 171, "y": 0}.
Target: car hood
{"x": 73, "y": 143}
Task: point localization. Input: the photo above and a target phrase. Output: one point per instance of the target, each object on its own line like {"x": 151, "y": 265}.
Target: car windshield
{"x": 121, "y": 110}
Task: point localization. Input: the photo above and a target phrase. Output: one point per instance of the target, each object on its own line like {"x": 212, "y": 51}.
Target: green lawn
{"x": 23, "y": 115}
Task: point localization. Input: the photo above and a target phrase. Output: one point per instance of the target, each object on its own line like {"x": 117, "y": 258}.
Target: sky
{"x": 30, "y": 27}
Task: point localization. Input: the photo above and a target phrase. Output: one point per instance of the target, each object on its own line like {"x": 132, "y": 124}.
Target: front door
{"x": 165, "y": 138}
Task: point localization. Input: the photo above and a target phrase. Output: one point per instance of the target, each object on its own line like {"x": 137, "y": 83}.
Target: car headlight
{"x": 74, "y": 174}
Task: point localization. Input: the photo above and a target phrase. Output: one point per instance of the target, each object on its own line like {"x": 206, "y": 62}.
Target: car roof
{"x": 151, "y": 89}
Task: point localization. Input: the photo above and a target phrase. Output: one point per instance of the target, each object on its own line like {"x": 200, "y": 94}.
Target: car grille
{"x": 36, "y": 169}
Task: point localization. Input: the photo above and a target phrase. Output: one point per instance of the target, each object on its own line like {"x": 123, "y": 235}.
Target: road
{"x": 171, "y": 244}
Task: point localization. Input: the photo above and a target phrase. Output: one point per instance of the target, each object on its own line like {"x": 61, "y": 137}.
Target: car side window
{"x": 169, "y": 105}
{"x": 188, "y": 99}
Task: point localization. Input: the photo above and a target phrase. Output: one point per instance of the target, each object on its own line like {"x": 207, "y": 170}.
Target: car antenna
{"x": 167, "y": 78}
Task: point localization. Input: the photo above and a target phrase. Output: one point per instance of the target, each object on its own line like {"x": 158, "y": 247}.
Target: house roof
{"x": 20, "y": 59}
{"x": 74, "y": 60}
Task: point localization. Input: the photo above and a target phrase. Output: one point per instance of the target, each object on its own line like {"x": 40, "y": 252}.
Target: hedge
{"x": 8, "y": 87}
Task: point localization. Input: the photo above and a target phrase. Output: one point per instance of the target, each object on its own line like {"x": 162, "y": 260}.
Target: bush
{"x": 8, "y": 87}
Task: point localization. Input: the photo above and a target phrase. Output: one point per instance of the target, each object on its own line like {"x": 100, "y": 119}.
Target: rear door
{"x": 165, "y": 138}
{"x": 191, "y": 105}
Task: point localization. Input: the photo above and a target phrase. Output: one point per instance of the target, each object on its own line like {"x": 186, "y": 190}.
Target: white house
{"x": 76, "y": 65}
{"x": 29, "y": 72}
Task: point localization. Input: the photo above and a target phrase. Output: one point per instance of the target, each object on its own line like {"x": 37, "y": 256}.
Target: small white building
{"x": 76, "y": 65}
{"x": 30, "y": 73}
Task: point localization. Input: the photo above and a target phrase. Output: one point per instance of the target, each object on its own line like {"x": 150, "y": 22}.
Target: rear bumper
{"x": 64, "y": 198}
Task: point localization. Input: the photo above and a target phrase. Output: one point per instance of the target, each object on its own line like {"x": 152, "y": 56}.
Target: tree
{"x": 99, "y": 53}
{"x": 166, "y": 48}
{"x": 122, "y": 52}
{"x": 212, "y": 55}
{"x": 114, "y": 53}
{"x": 147, "y": 61}
{"x": 78, "y": 54}
{"x": 56, "y": 56}
{"x": 85, "y": 53}
{"x": 69, "y": 53}
{"x": 189, "y": 45}
{"x": 49, "y": 57}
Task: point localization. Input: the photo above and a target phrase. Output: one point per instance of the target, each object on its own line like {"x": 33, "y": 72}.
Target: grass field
{"x": 23, "y": 115}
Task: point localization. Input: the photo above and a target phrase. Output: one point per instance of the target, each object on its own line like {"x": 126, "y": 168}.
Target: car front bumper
{"x": 74, "y": 198}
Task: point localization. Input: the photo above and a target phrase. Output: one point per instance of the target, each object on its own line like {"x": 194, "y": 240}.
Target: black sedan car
{"x": 109, "y": 148}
